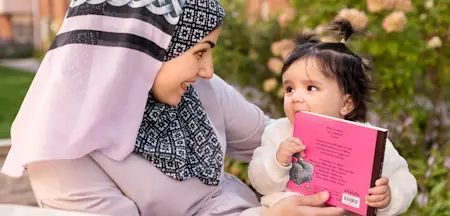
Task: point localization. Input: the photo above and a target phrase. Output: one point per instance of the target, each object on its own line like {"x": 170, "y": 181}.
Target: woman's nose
{"x": 206, "y": 73}
{"x": 207, "y": 69}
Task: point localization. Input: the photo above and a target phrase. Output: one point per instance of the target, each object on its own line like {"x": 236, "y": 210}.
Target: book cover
{"x": 342, "y": 157}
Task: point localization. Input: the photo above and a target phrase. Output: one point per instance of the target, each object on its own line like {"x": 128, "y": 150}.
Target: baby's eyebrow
{"x": 285, "y": 82}
{"x": 310, "y": 81}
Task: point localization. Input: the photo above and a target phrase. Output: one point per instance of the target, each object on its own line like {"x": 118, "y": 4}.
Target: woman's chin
{"x": 171, "y": 100}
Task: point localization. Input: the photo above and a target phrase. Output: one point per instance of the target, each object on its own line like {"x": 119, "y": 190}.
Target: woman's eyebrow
{"x": 210, "y": 43}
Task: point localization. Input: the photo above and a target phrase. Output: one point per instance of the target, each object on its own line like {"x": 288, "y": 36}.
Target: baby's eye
{"x": 288, "y": 89}
{"x": 312, "y": 88}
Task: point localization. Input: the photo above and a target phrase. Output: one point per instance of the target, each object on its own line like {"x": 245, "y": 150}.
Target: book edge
{"x": 377, "y": 170}
{"x": 347, "y": 121}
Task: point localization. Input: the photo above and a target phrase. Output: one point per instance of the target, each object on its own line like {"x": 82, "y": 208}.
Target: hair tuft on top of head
{"x": 343, "y": 27}
{"x": 301, "y": 39}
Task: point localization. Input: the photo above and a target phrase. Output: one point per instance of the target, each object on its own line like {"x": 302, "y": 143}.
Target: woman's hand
{"x": 304, "y": 206}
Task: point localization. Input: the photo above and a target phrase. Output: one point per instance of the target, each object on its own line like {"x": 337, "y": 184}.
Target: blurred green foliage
{"x": 14, "y": 85}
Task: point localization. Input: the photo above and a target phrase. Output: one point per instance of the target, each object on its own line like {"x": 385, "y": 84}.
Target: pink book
{"x": 342, "y": 157}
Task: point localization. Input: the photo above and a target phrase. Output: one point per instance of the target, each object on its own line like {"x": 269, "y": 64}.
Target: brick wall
{"x": 5, "y": 27}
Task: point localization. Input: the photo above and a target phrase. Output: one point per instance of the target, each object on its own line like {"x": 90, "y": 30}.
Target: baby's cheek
{"x": 289, "y": 112}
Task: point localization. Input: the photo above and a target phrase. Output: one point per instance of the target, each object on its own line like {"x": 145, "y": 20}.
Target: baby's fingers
{"x": 379, "y": 190}
{"x": 302, "y": 154}
{"x": 382, "y": 181}
{"x": 296, "y": 149}
{"x": 293, "y": 148}
{"x": 375, "y": 198}
{"x": 379, "y": 204}
{"x": 296, "y": 140}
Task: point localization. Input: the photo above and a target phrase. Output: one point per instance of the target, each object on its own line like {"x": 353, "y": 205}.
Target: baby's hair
{"x": 337, "y": 61}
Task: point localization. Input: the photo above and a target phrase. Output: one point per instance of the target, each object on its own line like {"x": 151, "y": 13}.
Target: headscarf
{"x": 179, "y": 140}
{"x": 92, "y": 90}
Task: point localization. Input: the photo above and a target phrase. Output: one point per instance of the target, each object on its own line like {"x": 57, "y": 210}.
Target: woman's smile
{"x": 185, "y": 85}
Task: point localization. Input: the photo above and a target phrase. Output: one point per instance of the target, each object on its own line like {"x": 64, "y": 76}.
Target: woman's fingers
{"x": 310, "y": 200}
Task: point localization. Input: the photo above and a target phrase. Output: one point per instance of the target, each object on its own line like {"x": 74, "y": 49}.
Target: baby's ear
{"x": 348, "y": 105}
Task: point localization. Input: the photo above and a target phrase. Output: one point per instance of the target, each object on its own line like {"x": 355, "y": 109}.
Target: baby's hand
{"x": 288, "y": 148}
{"x": 380, "y": 195}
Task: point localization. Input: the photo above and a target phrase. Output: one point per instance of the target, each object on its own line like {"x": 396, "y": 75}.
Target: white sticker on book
{"x": 350, "y": 200}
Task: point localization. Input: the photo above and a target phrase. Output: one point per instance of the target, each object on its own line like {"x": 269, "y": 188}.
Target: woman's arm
{"x": 244, "y": 121}
{"x": 402, "y": 183}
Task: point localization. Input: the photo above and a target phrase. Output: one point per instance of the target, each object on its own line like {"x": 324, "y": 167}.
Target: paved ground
{"x": 14, "y": 191}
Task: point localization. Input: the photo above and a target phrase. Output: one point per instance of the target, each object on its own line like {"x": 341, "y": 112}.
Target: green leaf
{"x": 393, "y": 48}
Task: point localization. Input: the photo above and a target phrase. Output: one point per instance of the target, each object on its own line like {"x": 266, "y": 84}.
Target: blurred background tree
{"x": 408, "y": 45}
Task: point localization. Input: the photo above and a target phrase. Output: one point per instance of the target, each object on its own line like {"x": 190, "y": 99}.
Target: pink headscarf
{"x": 92, "y": 86}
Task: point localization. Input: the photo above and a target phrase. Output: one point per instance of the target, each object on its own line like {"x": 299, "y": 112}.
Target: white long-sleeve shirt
{"x": 268, "y": 177}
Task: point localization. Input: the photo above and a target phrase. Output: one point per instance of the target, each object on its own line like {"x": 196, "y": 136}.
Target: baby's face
{"x": 307, "y": 89}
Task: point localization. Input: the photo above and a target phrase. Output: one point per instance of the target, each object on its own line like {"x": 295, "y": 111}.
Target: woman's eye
{"x": 200, "y": 54}
{"x": 288, "y": 89}
{"x": 312, "y": 88}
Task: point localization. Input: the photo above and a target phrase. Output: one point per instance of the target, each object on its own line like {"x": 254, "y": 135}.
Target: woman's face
{"x": 177, "y": 74}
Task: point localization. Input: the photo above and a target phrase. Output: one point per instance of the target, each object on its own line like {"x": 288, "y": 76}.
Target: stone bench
{"x": 14, "y": 191}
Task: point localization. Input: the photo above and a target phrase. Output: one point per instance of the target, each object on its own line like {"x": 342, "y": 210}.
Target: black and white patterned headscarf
{"x": 179, "y": 140}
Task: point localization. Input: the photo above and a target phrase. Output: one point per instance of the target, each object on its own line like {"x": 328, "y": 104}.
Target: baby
{"x": 329, "y": 79}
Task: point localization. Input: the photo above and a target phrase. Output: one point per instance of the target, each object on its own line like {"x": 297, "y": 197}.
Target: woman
{"x": 94, "y": 139}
